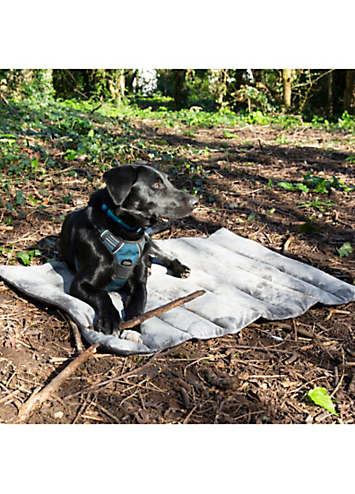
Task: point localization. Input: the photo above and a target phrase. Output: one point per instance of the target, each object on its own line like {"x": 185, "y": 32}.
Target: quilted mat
{"x": 243, "y": 281}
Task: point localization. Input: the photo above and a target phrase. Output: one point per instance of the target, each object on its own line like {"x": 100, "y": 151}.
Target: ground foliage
{"x": 276, "y": 179}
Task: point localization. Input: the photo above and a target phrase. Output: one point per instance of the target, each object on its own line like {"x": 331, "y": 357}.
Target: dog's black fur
{"x": 139, "y": 195}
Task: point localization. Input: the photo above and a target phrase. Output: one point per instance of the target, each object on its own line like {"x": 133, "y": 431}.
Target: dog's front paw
{"x": 129, "y": 334}
{"x": 108, "y": 323}
{"x": 186, "y": 271}
{"x": 180, "y": 270}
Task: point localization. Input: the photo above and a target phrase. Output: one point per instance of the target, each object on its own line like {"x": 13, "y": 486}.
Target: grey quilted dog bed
{"x": 243, "y": 281}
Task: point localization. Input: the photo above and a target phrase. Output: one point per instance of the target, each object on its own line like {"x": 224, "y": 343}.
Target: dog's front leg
{"x": 177, "y": 269}
{"x": 137, "y": 297}
{"x": 135, "y": 302}
{"x": 134, "y": 307}
{"x": 90, "y": 289}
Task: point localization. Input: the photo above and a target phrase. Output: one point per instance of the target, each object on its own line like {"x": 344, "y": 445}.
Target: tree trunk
{"x": 349, "y": 91}
{"x": 330, "y": 94}
{"x": 222, "y": 88}
{"x": 179, "y": 88}
{"x": 287, "y": 82}
{"x": 116, "y": 84}
{"x": 121, "y": 85}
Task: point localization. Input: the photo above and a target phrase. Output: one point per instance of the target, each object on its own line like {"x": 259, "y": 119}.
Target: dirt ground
{"x": 261, "y": 375}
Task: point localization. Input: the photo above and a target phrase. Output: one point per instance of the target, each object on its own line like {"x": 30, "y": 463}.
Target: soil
{"x": 261, "y": 375}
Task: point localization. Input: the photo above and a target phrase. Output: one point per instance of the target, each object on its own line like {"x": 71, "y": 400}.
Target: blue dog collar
{"x": 113, "y": 217}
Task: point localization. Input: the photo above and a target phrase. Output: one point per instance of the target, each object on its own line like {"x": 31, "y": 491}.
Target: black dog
{"x": 105, "y": 243}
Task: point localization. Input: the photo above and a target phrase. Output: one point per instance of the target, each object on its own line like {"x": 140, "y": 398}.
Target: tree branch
{"x": 37, "y": 398}
{"x": 160, "y": 310}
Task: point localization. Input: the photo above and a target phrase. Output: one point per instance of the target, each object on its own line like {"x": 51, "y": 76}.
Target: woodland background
{"x": 321, "y": 93}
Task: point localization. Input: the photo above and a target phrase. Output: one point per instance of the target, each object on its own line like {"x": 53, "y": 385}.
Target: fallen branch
{"x": 160, "y": 310}
{"x": 77, "y": 336}
{"x": 37, "y": 398}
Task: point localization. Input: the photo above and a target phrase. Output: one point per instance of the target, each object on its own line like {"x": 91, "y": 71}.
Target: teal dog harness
{"x": 126, "y": 254}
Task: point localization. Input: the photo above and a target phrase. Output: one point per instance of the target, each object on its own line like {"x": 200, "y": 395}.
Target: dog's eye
{"x": 158, "y": 186}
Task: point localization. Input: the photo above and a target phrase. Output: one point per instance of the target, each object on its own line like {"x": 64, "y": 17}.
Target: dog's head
{"x": 146, "y": 194}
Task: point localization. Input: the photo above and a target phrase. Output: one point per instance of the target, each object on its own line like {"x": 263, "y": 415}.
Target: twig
{"x": 15, "y": 112}
{"x": 159, "y": 310}
{"x": 9, "y": 396}
{"x": 342, "y": 376}
{"x": 116, "y": 378}
{"x": 95, "y": 109}
{"x": 37, "y": 398}
{"x": 77, "y": 336}
{"x": 188, "y": 416}
{"x": 83, "y": 409}
{"x": 163, "y": 352}
{"x": 315, "y": 80}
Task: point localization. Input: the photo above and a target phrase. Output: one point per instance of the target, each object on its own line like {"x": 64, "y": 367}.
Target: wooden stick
{"x": 37, "y": 398}
{"x": 160, "y": 310}
{"x": 77, "y": 336}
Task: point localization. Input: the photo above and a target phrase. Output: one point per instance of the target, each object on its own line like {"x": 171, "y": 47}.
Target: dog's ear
{"x": 119, "y": 181}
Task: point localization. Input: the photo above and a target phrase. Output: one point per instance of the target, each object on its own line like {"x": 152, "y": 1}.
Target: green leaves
{"x": 293, "y": 187}
{"x": 26, "y": 257}
{"x": 70, "y": 154}
{"x": 20, "y": 199}
{"x": 320, "y": 397}
{"x": 316, "y": 204}
{"x": 319, "y": 185}
{"x": 286, "y": 185}
{"x": 322, "y": 185}
{"x": 229, "y": 135}
{"x": 345, "y": 250}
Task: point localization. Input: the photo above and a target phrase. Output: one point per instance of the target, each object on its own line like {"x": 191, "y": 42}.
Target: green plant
{"x": 320, "y": 397}
{"x": 346, "y": 122}
{"x": 345, "y": 250}
{"x": 70, "y": 154}
{"x": 189, "y": 133}
{"x": 20, "y": 198}
{"x": 293, "y": 187}
{"x": 319, "y": 185}
{"x": 282, "y": 139}
{"x": 316, "y": 204}
{"x": 322, "y": 185}
{"x": 229, "y": 135}
{"x": 27, "y": 257}
{"x": 68, "y": 198}
{"x": 351, "y": 159}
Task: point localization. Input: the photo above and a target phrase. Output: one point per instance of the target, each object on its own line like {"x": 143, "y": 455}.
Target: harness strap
{"x": 126, "y": 254}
